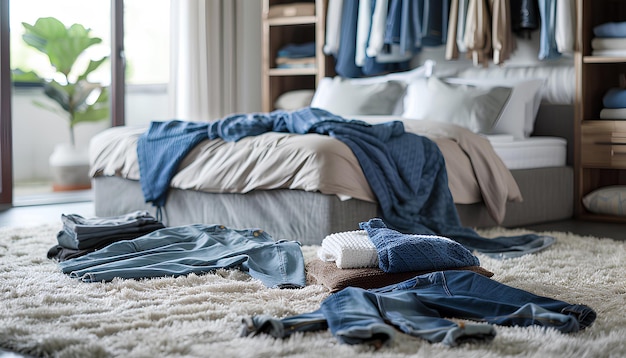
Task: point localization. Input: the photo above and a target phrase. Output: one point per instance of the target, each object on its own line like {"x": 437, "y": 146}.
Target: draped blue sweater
{"x": 405, "y": 171}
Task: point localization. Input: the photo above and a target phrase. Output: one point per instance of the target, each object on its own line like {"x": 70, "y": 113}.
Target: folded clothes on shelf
{"x": 610, "y": 29}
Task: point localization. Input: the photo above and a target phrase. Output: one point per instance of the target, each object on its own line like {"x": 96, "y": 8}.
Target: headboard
{"x": 557, "y": 120}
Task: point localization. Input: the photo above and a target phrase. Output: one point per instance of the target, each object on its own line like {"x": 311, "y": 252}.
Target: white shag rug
{"x": 45, "y": 313}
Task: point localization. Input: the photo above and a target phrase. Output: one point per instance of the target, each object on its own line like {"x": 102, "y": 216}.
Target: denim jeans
{"x": 197, "y": 248}
{"x": 548, "y": 48}
{"x": 421, "y": 307}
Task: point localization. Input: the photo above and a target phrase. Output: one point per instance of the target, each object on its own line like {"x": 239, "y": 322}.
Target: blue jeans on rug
{"x": 197, "y": 248}
{"x": 419, "y": 307}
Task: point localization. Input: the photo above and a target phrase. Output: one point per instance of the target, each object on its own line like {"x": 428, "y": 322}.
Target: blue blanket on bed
{"x": 405, "y": 171}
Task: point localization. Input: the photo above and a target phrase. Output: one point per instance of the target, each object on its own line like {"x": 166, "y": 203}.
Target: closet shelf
{"x": 292, "y": 20}
{"x": 292, "y": 71}
{"x": 599, "y": 144}
{"x": 603, "y": 59}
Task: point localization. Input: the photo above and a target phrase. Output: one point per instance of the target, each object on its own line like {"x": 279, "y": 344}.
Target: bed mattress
{"x": 532, "y": 152}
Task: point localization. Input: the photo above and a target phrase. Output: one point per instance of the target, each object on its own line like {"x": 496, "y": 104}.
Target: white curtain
{"x": 203, "y": 59}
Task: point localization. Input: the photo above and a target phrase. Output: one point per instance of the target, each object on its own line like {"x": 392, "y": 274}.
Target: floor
{"x": 585, "y": 228}
{"x": 49, "y": 210}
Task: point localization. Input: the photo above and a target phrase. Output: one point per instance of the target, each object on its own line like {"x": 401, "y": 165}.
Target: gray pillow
{"x": 609, "y": 200}
{"x": 344, "y": 97}
{"x": 477, "y": 109}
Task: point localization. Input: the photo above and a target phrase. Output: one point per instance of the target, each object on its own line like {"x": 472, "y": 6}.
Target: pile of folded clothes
{"x": 80, "y": 235}
{"x": 377, "y": 256}
{"x": 614, "y": 102}
{"x": 609, "y": 39}
{"x": 296, "y": 56}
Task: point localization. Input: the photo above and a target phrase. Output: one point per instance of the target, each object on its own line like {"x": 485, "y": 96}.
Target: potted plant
{"x": 77, "y": 99}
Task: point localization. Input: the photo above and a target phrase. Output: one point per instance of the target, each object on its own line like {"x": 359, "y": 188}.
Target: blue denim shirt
{"x": 197, "y": 248}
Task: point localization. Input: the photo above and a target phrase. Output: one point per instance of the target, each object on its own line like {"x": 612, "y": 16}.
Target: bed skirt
{"x": 309, "y": 216}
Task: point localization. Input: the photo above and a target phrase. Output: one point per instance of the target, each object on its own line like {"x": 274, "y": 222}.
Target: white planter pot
{"x": 70, "y": 168}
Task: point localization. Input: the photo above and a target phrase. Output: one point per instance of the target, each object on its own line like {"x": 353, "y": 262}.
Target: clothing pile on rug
{"x": 421, "y": 282}
{"x": 162, "y": 251}
{"x": 80, "y": 235}
{"x": 393, "y": 281}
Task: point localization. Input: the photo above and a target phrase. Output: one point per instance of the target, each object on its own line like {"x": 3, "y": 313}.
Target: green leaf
{"x": 93, "y": 65}
{"x": 19, "y": 75}
{"x": 82, "y": 92}
{"x": 44, "y": 29}
{"x": 98, "y": 111}
{"x": 63, "y": 46}
{"x": 59, "y": 93}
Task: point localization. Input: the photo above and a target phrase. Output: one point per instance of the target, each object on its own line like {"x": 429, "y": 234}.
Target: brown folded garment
{"x": 336, "y": 279}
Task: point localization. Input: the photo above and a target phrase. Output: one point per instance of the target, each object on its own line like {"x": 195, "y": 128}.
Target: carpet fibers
{"x": 46, "y": 313}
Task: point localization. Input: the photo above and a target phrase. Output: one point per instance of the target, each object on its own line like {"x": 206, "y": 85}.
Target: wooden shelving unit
{"x": 600, "y": 145}
{"x": 282, "y": 30}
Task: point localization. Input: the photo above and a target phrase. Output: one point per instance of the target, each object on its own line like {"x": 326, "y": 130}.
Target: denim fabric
{"x": 81, "y": 233}
{"x": 548, "y": 48}
{"x": 292, "y": 50}
{"x": 197, "y": 249}
{"x": 435, "y": 22}
{"x": 345, "y": 63}
{"x": 418, "y": 306}
{"x": 411, "y": 32}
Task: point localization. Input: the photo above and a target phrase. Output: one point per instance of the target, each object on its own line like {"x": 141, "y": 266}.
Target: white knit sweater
{"x": 350, "y": 249}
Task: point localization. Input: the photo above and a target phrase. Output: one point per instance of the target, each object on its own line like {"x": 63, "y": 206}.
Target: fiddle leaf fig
{"x": 83, "y": 101}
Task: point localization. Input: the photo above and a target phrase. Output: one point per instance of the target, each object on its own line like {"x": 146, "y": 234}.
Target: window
{"x": 147, "y": 74}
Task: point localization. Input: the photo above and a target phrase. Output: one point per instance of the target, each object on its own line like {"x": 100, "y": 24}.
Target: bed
{"x": 534, "y": 168}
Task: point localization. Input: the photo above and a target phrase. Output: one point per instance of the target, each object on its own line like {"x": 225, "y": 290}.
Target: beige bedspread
{"x": 311, "y": 162}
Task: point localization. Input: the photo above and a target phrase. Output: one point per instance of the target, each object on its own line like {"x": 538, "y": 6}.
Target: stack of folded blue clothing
{"x": 296, "y": 56}
{"x": 614, "y": 102}
{"x": 609, "y": 39}
{"x": 80, "y": 236}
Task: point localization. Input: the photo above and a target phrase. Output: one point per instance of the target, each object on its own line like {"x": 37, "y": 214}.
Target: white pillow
{"x": 294, "y": 99}
{"x": 346, "y": 97}
{"x": 416, "y": 99}
{"x": 327, "y": 87}
{"x": 559, "y": 86}
{"x": 518, "y": 117}
{"x": 474, "y": 108}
